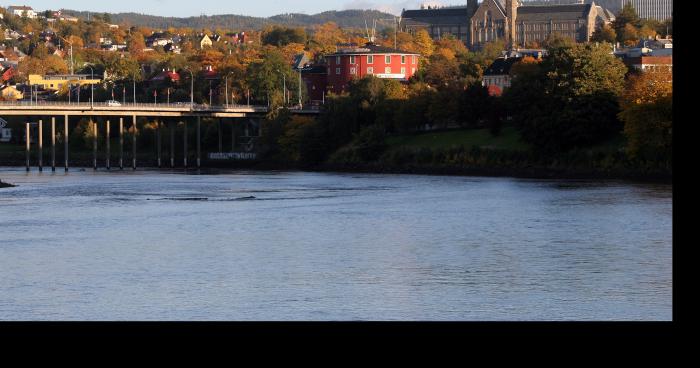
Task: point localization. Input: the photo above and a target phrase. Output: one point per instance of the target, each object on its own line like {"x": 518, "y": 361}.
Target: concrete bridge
{"x": 104, "y": 110}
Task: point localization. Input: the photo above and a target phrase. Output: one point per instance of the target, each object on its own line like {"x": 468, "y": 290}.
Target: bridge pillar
{"x": 199, "y": 143}
{"x": 184, "y": 161}
{"x": 220, "y": 136}
{"x": 65, "y": 141}
{"x": 107, "y": 164}
{"x": 172, "y": 144}
{"x": 134, "y": 141}
{"x": 53, "y": 143}
{"x": 28, "y": 141}
{"x": 121, "y": 143}
{"x": 93, "y": 125}
{"x": 233, "y": 138}
{"x": 41, "y": 145}
{"x": 159, "y": 144}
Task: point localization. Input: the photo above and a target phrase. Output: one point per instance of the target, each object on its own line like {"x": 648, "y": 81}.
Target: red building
{"x": 352, "y": 62}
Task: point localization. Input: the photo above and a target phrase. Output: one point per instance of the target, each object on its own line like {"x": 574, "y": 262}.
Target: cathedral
{"x": 517, "y": 24}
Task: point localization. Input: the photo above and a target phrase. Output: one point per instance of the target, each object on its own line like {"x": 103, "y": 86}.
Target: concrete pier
{"x": 134, "y": 141}
{"x": 28, "y": 141}
{"x": 108, "y": 148}
{"x": 93, "y": 125}
{"x": 158, "y": 143}
{"x": 199, "y": 140}
{"x": 53, "y": 144}
{"x": 184, "y": 160}
{"x": 41, "y": 145}
{"x": 121, "y": 143}
{"x": 65, "y": 141}
{"x": 172, "y": 144}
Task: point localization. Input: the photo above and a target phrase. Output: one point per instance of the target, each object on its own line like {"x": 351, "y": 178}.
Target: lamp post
{"x": 92, "y": 88}
{"x": 191, "y": 88}
{"x": 226, "y": 85}
{"x": 134, "y": 89}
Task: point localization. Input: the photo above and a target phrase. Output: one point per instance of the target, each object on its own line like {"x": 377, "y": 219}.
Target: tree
{"x": 282, "y": 36}
{"x": 629, "y": 35}
{"x": 569, "y": 100}
{"x": 648, "y": 115}
{"x": 424, "y": 43}
{"x": 628, "y": 16}
{"x": 604, "y": 34}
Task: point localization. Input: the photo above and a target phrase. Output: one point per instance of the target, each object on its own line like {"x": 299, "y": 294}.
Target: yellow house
{"x": 205, "y": 41}
{"x": 56, "y": 82}
{"x": 10, "y": 93}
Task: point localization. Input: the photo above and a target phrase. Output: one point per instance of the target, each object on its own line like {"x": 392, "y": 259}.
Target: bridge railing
{"x": 177, "y": 105}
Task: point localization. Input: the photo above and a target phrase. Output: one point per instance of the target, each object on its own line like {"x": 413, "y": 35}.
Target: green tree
{"x": 604, "y": 34}
{"x": 628, "y": 16}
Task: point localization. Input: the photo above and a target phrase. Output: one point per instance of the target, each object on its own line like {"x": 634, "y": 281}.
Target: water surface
{"x": 229, "y": 245}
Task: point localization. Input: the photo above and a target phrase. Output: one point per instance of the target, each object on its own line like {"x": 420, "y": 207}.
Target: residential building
{"x": 205, "y": 41}
{"x": 56, "y": 82}
{"x": 22, "y": 11}
{"x": 353, "y": 62}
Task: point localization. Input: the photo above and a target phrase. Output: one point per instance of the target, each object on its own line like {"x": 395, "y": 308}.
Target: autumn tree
{"x": 647, "y": 112}
{"x": 604, "y": 34}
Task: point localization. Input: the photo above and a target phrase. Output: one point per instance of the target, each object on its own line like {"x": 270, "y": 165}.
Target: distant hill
{"x": 344, "y": 18}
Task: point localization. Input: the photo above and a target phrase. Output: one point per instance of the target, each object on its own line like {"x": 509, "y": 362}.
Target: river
{"x": 287, "y": 246}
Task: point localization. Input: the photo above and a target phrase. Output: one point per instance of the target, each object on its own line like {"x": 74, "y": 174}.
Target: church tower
{"x": 472, "y": 5}
{"x": 512, "y": 16}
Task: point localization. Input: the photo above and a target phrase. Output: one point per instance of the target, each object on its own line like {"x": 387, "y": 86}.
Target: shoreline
{"x": 500, "y": 172}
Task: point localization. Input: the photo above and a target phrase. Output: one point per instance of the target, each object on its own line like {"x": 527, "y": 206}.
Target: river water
{"x": 232, "y": 245}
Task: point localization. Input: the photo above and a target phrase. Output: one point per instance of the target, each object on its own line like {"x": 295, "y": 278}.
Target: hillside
{"x": 345, "y": 19}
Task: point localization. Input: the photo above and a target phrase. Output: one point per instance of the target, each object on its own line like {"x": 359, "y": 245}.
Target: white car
{"x": 113, "y": 103}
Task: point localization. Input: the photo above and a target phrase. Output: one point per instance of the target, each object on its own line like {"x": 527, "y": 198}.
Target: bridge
{"x": 104, "y": 110}
{"x": 46, "y": 108}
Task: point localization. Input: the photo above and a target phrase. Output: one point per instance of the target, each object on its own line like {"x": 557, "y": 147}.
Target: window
{"x": 403, "y": 71}
{"x": 387, "y": 59}
{"x": 370, "y": 70}
{"x": 413, "y": 71}
{"x": 403, "y": 59}
{"x": 353, "y": 71}
{"x": 414, "y": 59}
{"x": 387, "y": 70}
{"x": 337, "y": 60}
{"x": 337, "y": 71}
{"x": 352, "y": 59}
{"x": 370, "y": 59}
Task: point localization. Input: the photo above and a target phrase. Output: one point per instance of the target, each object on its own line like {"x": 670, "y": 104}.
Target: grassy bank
{"x": 477, "y": 152}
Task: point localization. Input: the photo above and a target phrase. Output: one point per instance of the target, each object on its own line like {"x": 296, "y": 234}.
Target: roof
{"x": 544, "y": 13}
{"x": 501, "y": 66}
{"x": 314, "y": 69}
{"x": 167, "y": 75}
{"x": 369, "y": 48}
{"x": 442, "y": 16}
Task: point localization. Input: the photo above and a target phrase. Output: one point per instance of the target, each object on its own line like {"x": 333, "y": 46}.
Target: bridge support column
{"x": 41, "y": 145}
{"x": 134, "y": 141}
{"x": 233, "y": 138}
{"x": 65, "y": 141}
{"x": 28, "y": 139}
{"x": 121, "y": 143}
{"x": 53, "y": 143}
{"x": 184, "y": 160}
{"x": 220, "y": 136}
{"x": 172, "y": 144}
{"x": 159, "y": 144}
{"x": 199, "y": 143}
{"x": 109, "y": 153}
{"x": 93, "y": 125}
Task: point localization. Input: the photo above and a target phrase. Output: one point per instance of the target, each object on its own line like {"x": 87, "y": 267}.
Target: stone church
{"x": 518, "y": 25}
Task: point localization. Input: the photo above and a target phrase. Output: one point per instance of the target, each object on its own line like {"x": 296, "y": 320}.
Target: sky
{"x": 258, "y": 8}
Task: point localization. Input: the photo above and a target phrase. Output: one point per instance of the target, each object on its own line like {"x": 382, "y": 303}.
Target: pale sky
{"x": 258, "y": 8}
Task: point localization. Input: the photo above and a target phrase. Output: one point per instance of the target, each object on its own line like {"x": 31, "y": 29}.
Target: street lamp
{"x": 92, "y": 87}
{"x": 191, "y": 88}
{"x": 226, "y": 85}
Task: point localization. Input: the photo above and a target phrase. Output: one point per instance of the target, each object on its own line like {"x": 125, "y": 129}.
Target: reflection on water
{"x": 150, "y": 245}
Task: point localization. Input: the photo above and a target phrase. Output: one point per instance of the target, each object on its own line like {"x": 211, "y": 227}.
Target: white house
{"x": 22, "y": 11}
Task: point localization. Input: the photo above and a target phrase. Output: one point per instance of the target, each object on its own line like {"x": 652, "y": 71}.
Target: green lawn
{"x": 509, "y": 139}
